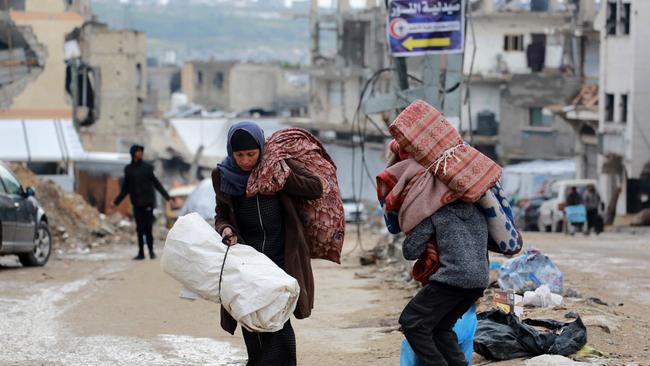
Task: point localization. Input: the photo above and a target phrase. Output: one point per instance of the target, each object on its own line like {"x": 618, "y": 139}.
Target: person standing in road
{"x": 574, "y": 199}
{"x": 272, "y": 225}
{"x": 140, "y": 184}
{"x": 591, "y": 199}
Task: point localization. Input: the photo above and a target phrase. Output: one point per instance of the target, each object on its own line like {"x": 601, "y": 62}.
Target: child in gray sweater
{"x": 460, "y": 230}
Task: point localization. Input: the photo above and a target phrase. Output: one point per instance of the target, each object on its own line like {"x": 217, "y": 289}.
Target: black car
{"x": 24, "y": 227}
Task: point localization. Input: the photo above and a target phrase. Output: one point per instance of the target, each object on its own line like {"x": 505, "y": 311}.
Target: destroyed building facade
{"x": 32, "y": 67}
{"x": 522, "y": 68}
{"x": 624, "y": 128}
{"x": 231, "y": 86}
{"x": 347, "y": 47}
{"x": 118, "y": 59}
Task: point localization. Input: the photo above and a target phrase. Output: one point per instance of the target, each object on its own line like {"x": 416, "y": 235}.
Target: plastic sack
{"x": 464, "y": 328}
{"x": 542, "y": 297}
{"x": 530, "y": 271}
{"x": 501, "y": 336}
{"x": 254, "y": 290}
{"x": 406, "y": 356}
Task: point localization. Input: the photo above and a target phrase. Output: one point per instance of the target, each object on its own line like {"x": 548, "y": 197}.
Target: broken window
{"x": 625, "y": 19}
{"x": 138, "y": 76}
{"x": 175, "y": 82}
{"x": 612, "y": 8}
{"x": 623, "y": 108}
{"x": 84, "y": 88}
{"x": 354, "y": 40}
{"x": 513, "y": 42}
{"x": 609, "y": 107}
{"x": 218, "y": 80}
{"x": 540, "y": 117}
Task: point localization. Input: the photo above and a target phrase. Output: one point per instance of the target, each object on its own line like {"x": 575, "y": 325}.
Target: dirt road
{"x": 102, "y": 308}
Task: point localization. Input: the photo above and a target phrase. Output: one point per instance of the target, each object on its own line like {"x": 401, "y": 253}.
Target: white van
{"x": 551, "y": 212}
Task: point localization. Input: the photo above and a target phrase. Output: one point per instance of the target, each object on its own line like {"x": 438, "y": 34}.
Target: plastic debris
{"x": 529, "y": 271}
{"x": 542, "y": 297}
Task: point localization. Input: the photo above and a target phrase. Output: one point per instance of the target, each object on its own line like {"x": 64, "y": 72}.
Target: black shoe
{"x": 152, "y": 255}
{"x": 138, "y": 257}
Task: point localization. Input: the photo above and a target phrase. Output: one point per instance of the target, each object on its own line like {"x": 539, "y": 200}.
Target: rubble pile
{"x": 74, "y": 223}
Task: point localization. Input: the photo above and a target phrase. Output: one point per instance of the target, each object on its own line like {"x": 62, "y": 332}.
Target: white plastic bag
{"x": 254, "y": 290}
{"x": 542, "y": 297}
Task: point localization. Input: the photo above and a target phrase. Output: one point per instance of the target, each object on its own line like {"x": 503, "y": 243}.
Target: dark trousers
{"x": 271, "y": 349}
{"x": 144, "y": 226}
{"x": 592, "y": 220}
{"x": 428, "y": 319}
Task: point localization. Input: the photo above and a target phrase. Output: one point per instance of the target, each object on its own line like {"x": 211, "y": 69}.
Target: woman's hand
{"x": 229, "y": 238}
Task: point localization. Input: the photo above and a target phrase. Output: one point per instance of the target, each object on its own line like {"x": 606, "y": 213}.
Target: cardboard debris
{"x": 508, "y": 302}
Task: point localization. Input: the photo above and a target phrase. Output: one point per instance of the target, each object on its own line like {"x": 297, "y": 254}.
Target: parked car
{"x": 551, "y": 212}
{"x": 354, "y": 211}
{"x": 24, "y": 229}
{"x": 178, "y": 196}
{"x": 527, "y": 213}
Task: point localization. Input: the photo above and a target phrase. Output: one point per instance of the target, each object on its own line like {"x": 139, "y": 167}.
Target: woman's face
{"x": 247, "y": 159}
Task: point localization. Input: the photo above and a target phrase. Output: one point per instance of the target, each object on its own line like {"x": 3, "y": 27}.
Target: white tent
{"x": 212, "y": 134}
{"x": 50, "y": 140}
{"x": 47, "y": 140}
{"x": 40, "y": 140}
{"x": 533, "y": 179}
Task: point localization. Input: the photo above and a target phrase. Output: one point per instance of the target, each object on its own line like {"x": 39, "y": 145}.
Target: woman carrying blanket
{"x": 269, "y": 223}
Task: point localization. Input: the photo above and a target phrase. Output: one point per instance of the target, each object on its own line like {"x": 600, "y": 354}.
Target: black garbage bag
{"x": 501, "y": 336}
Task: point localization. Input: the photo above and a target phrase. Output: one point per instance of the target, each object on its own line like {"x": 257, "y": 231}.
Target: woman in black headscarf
{"x": 269, "y": 223}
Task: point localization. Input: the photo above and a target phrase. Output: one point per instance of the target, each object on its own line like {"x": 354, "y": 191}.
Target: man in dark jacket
{"x": 139, "y": 183}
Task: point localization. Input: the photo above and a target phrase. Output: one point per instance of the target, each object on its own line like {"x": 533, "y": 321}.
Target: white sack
{"x": 254, "y": 290}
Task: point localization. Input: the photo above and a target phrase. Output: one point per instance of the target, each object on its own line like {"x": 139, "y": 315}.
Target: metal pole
{"x": 402, "y": 73}
{"x": 74, "y": 88}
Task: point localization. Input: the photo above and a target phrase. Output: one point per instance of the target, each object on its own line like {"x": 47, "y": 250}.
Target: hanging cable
{"x": 468, "y": 80}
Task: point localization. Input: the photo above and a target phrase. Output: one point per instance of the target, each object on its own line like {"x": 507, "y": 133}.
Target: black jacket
{"x": 139, "y": 183}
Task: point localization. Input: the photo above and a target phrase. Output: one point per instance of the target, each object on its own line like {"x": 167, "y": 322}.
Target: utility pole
{"x": 442, "y": 76}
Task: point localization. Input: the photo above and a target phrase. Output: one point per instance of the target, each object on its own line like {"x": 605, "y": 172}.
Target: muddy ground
{"x": 101, "y": 308}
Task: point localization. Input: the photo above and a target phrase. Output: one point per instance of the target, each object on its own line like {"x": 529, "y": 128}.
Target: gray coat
{"x": 461, "y": 232}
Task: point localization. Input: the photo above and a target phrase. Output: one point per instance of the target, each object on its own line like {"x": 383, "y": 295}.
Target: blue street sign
{"x": 418, "y": 27}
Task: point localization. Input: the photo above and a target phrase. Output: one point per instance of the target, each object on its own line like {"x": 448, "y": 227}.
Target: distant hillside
{"x": 220, "y": 30}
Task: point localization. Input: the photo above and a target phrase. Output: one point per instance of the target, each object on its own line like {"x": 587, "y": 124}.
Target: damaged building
{"x": 523, "y": 66}
{"x": 162, "y": 81}
{"x": 111, "y": 73}
{"x": 581, "y": 112}
{"x": 624, "y": 130}
{"x": 347, "y": 47}
{"x": 231, "y": 86}
{"x": 32, "y": 67}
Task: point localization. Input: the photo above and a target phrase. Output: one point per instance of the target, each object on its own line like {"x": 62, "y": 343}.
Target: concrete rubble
{"x": 74, "y": 223}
